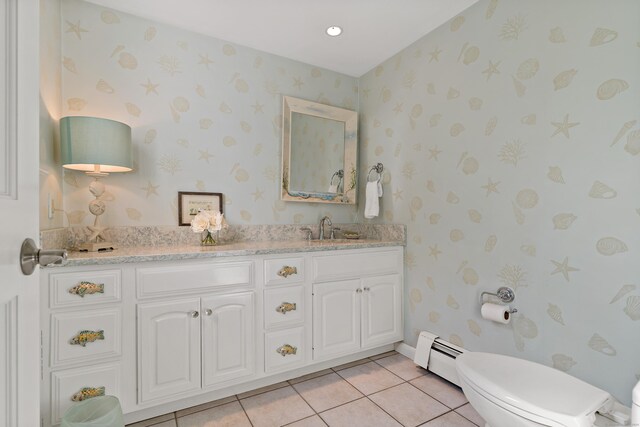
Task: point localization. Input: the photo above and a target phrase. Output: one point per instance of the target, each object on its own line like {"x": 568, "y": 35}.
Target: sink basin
{"x": 329, "y": 242}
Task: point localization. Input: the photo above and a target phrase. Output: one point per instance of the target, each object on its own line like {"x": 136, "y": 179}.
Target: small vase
{"x": 208, "y": 239}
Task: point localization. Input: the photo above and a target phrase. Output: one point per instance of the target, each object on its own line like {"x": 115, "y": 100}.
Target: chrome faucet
{"x": 324, "y": 220}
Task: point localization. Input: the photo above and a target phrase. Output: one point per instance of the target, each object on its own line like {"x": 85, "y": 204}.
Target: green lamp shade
{"x": 91, "y": 144}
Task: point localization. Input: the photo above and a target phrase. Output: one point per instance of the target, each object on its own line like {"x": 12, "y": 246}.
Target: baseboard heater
{"x": 438, "y": 356}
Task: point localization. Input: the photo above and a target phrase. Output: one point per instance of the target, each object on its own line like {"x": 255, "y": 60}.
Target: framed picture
{"x": 189, "y": 204}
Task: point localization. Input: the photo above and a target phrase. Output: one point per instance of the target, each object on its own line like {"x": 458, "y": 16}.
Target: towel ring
{"x": 379, "y": 167}
{"x": 339, "y": 174}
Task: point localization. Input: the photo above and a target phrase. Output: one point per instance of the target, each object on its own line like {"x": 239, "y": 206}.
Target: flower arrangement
{"x": 209, "y": 222}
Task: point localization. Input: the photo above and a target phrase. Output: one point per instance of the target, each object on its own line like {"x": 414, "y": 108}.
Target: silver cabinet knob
{"x": 367, "y": 289}
{"x": 208, "y": 312}
{"x": 194, "y": 314}
{"x": 359, "y": 290}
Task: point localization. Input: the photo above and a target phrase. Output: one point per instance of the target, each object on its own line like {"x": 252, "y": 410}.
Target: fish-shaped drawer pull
{"x": 287, "y": 271}
{"x": 285, "y": 307}
{"x": 87, "y": 393}
{"x": 84, "y": 337}
{"x": 286, "y": 350}
{"x": 87, "y": 288}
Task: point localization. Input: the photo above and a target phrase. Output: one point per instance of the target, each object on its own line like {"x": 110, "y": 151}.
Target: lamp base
{"x": 97, "y": 247}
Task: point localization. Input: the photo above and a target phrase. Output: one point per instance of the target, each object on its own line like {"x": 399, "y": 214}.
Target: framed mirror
{"x": 319, "y": 152}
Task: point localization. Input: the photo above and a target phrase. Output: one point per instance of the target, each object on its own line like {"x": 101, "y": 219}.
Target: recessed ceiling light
{"x": 334, "y": 31}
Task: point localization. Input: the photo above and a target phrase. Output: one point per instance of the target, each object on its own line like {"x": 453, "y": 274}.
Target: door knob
{"x": 30, "y": 256}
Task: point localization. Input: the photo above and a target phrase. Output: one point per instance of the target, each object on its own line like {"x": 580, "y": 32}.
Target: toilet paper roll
{"x": 496, "y": 312}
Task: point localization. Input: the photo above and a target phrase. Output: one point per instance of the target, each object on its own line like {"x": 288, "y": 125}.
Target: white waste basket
{"x": 101, "y": 411}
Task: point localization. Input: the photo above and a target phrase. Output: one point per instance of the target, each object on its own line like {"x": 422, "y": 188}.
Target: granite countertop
{"x": 172, "y": 253}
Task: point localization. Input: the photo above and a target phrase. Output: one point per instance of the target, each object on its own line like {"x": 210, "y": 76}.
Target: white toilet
{"x": 511, "y": 392}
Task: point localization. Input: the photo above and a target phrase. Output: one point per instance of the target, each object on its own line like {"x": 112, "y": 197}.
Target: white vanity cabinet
{"x": 286, "y": 318}
{"x": 357, "y": 302}
{"x": 188, "y": 344}
{"x": 176, "y": 333}
{"x": 191, "y": 344}
{"x": 82, "y": 337}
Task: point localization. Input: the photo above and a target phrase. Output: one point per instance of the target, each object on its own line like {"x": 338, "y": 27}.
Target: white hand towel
{"x": 380, "y": 192}
{"x": 333, "y": 189}
{"x": 372, "y": 204}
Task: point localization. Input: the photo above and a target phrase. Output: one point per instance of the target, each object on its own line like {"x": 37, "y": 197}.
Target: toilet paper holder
{"x": 504, "y": 294}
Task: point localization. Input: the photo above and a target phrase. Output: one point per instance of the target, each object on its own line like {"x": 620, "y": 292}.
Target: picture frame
{"x": 190, "y": 203}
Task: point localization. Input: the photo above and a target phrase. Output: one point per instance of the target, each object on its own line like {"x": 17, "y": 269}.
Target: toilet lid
{"x": 538, "y": 391}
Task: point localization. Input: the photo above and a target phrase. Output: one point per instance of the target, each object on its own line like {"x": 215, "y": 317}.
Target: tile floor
{"x": 383, "y": 390}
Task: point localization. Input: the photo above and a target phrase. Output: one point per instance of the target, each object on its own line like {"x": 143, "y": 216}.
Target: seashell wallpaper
{"x": 205, "y": 115}
{"x": 510, "y": 138}
{"x": 526, "y": 167}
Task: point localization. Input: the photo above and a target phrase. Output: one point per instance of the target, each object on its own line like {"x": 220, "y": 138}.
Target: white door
{"x": 19, "y": 311}
{"x": 381, "y": 310}
{"x": 336, "y": 318}
{"x": 228, "y": 337}
{"x": 168, "y": 348}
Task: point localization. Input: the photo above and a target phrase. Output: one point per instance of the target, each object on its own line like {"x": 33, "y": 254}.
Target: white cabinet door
{"x": 228, "y": 337}
{"x": 381, "y": 310}
{"x": 336, "y": 318}
{"x": 169, "y": 348}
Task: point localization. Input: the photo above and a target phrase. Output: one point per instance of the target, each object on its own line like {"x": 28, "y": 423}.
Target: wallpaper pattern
{"x": 510, "y": 140}
{"x": 206, "y": 116}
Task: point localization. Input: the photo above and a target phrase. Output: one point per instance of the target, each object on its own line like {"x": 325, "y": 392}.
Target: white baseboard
{"x": 406, "y": 350}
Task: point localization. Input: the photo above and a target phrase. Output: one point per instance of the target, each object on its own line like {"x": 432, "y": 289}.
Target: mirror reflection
{"x": 319, "y": 152}
{"x": 317, "y": 145}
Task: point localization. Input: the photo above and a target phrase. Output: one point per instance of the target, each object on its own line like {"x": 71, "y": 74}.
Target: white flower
{"x": 208, "y": 220}
{"x": 215, "y": 221}
{"x": 199, "y": 223}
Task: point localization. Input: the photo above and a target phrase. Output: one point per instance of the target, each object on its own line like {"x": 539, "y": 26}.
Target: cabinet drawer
{"x": 283, "y": 270}
{"x": 67, "y": 386}
{"x": 284, "y": 349}
{"x": 85, "y": 336}
{"x": 84, "y": 288}
{"x": 355, "y": 265}
{"x": 191, "y": 278}
{"x": 284, "y": 306}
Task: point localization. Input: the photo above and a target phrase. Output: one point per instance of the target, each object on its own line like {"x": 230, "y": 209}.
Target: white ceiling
{"x": 374, "y": 30}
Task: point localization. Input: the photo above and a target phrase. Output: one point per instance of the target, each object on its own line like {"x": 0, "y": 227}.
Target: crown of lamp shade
{"x": 95, "y": 145}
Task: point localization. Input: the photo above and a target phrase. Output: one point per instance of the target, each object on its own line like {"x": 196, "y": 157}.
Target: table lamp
{"x": 97, "y": 147}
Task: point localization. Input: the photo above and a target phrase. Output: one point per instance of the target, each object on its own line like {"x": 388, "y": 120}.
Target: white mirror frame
{"x": 350, "y": 119}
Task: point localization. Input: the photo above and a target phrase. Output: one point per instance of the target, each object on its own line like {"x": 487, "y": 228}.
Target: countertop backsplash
{"x": 166, "y": 235}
